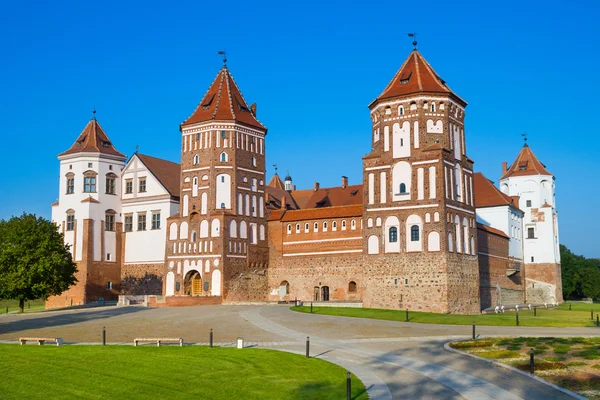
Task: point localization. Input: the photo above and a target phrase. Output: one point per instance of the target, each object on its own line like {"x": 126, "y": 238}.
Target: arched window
{"x": 402, "y": 188}
{"x": 450, "y": 242}
{"x": 289, "y": 229}
{"x": 324, "y": 226}
{"x": 334, "y": 226}
{"x": 261, "y": 231}
{"x": 232, "y": 229}
{"x": 316, "y": 227}
{"x": 393, "y": 234}
{"x": 194, "y": 236}
{"x": 70, "y": 220}
{"x": 196, "y": 159}
{"x": 432, "y": 107}
{"x": 353, "y": 224}
{"x": 352, "y": 287}
{"x": 401, "y": 110}
{"x": 414, "y": 233}
{"x": 297, "y": 228}
{"x": 223, "y": 157}
{"x": 253, "y": 161}
{"x": 344, "y": 225}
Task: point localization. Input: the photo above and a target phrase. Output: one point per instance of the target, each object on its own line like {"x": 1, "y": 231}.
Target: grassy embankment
{"x": 123, "y": 372}
{"x": 13, "y": 306}
{"x": 579, "y": 316}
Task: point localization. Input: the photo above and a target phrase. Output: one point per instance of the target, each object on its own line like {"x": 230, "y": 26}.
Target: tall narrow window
{"x": 128, "y": 186}
{"x": 70, "y": 221}
{"x": 109, "y": 221}
{"x": 141, "y": 222}
{"x": 70, "y": 183}
{"x": 393, "y": 235}
{"x": 142, "y": 186}
{"x": 196, "y": 159}
{"x": 110, "y": 183}
{"x": 128, "y": 223}
{"x": 223, "y": 134}
{"x": 156, "y": 220}
{"x": 89, "y": 183}
{"x": 414, "y": 233}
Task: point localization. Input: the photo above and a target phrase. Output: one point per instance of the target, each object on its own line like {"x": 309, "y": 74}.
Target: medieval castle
{"x": 422, "y": 232}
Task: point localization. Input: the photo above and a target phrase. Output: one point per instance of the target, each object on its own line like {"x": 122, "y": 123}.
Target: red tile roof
{"x": 276, "y": 215}
{"x": 492, "y": 230}
{"x": 325, "y": 212}
{"x": 328, "y": 197}
{"x": 415, "y": 76}
{"x": 224, "y": 102}
{"x": 168, "y": 173}
{"x": 526, "y": 164}
{"x": 488, "y": 195}
{"x": 93, "y": 140}
{"x": 274, "y": 196}
{"x": 276, "y": 182}
{"x": 90, "y": 199}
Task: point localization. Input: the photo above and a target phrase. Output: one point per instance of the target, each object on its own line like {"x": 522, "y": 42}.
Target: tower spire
{"x": 414, "y": 36}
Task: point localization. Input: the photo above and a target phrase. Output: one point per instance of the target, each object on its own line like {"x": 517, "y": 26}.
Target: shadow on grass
{"x": 67, "y": 318}
{"x": 323, "y": 390}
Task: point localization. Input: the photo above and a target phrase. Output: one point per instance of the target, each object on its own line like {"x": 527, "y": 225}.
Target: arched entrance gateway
{"x": 192, "y": 283}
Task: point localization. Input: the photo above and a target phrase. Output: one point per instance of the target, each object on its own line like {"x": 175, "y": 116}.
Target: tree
{"x": 580, "y": 275}
{"x": 34, "y": 260}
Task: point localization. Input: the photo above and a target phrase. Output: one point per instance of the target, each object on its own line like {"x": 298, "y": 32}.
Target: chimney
{"x": 293, "y": 188}
{"x": 504, "y": 167}
{"x": 253, "y": 109}
{"x": 316, "y": 186}
{"x": 283, "y": 203}
{"x": 344, "y": 182}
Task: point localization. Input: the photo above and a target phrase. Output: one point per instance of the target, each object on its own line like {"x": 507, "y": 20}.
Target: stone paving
{"x": 393, "y": 359}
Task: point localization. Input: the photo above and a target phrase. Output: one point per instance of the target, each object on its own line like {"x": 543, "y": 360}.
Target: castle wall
{"x": 543, "y": 283}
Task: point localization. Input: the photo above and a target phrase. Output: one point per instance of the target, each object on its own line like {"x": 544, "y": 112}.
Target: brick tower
{"x": 217, "y": 245}
{"x": 419, "y": 227}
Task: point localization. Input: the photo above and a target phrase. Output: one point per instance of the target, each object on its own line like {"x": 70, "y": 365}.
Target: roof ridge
{"x": 229, "y": 95}
{"x": 418, "y": 70}
{"x": 204, "y": 96}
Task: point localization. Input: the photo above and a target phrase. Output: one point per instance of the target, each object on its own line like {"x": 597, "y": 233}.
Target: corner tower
{"x": 529, "y": 179}
{"x": 217, "y": 244}
{"x": 419, "y": 212}
{"x": 88, "y": 213}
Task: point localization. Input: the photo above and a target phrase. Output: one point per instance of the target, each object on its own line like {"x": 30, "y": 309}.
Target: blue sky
{"x": 312, "y": 67}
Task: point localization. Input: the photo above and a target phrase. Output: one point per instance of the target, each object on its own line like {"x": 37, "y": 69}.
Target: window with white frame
{"x": 156, "y": 220}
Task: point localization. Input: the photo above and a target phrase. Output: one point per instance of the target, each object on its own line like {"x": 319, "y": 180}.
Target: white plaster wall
{"x": 401, "y": 140}
{"x": 223, "y": 191}
{"x": 401, "y": 173}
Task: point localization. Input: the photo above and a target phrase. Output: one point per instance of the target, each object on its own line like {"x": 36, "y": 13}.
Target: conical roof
{"x": 526, "y": 164}
{"x": 223, "y": 101}
{"x": 415, "y": 76}
{"x": 93, "y": 140}
{"x": 276, "y": 182}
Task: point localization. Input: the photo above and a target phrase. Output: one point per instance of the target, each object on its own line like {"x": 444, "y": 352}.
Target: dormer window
{"x": 405, "y": 78}
{"x": 105, "y": 144}
{"x": 208, "y": 101}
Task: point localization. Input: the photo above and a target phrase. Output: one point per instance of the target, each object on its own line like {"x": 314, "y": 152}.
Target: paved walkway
{"x": 394, "y": 359}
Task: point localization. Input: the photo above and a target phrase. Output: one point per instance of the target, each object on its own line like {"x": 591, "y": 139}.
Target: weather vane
{"x": 414, "y": 36}
{"x": 137, "y": 148}
{"x": 275, "y": 166}
{"x": 524, "y": 137}
{"x": 224, "y": 54}
{"x": 94, "y": 113}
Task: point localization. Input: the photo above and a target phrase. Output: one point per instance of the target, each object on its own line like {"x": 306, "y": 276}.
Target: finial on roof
{"x": 414, "y": 36}
{"x": 275, "y": 166}
{"x": 224, "y": 54}
{"x": 94, "y": 113}
{"x": 137, "y": 148}
{"x": 525, "y": 139}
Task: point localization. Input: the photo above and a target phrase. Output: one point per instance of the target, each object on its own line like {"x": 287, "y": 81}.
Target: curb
{"x": 508, "y": 367}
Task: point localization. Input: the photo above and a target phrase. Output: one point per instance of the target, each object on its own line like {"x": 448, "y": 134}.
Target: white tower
{"x": 529, "y": 179}
{"x": 288, "y": 183}
{"x": 88, "y": 213}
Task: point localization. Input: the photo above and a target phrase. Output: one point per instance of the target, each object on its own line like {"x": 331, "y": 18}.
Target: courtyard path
{"x": 393, "y": 359}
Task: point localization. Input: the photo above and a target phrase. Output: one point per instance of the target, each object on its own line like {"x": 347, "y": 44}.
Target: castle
{"x": 423, "y": 232}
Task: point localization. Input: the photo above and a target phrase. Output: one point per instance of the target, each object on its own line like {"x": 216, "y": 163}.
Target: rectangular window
{"x": 108, "y": 256}
{"x": 109, "y": 222}
{"x": 156, "y": 220}
{"x": 528, "y": 203}
{"x": 110, "y": 185}
{"x": 141, "y": 222}
{"x": 128, "y": 186}
{"x": 89, "y": 184}
{"x": 70, "y": 185}
{"x": 128, "y": 223}
{"x": 530, "y": 233}
{"x": 70, "y": 222}
{"x": 109, "y": 286}
{"x": 142, "y": 188}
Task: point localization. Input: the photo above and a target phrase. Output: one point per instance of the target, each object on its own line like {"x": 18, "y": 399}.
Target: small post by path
{"x": 7, "y": 309}
{"x": 348, "y": 386}
{"x": 103, "y": 336}
{"x": 311, "y": 307}
{"x": 535, "y": 311}
{"x": 28, "y": 305}
{"x": 211, "y": 337}
{"x": 307, "y": 347}
{"x": 531, "y": 361}
{"x": 407, "y": 315}
{"x": 517, "y": 317}
{"x": 473, "y": 330}
{"x": 296, "y": 302}
{"x": 570, "y": 306}
{"x": 592, "y": 314}
{"x": 597, "y": 320}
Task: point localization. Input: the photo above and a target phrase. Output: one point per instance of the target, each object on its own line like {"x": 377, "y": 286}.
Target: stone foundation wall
{"x": 463, "y": 284}
{"x": 183, "y": 301}
{"x": 546, "y": 276}
{"x": 142, "y": 279}
{"x": 243, "y": 282}
{"x": 75, "y": 295}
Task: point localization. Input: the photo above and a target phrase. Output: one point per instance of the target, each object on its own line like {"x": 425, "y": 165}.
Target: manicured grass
{"x": 13, "y": 305}
{"x": 123, "y": 372}
{"x": 560, "y": 317}
{"x": 567, "y": 362}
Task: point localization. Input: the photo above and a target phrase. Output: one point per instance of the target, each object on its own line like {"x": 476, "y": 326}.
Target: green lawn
{"x": 124, "y": 372}
{"x": 13, "y": 305}
{"x": 560, "y": 317}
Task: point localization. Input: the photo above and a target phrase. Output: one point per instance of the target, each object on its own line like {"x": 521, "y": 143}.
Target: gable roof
{"x": 488, "y": 195}
{"x": 526, "y": 164}
{"x": 223, "y": 101}
{"x": 492, "y": 230}
{"x": 415, "y": 76}
{"x": 328, "y": 197}
{"x": 93, "y": 140}
{"x": 168, "y": 173}
{"x": 354, "y": 210}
